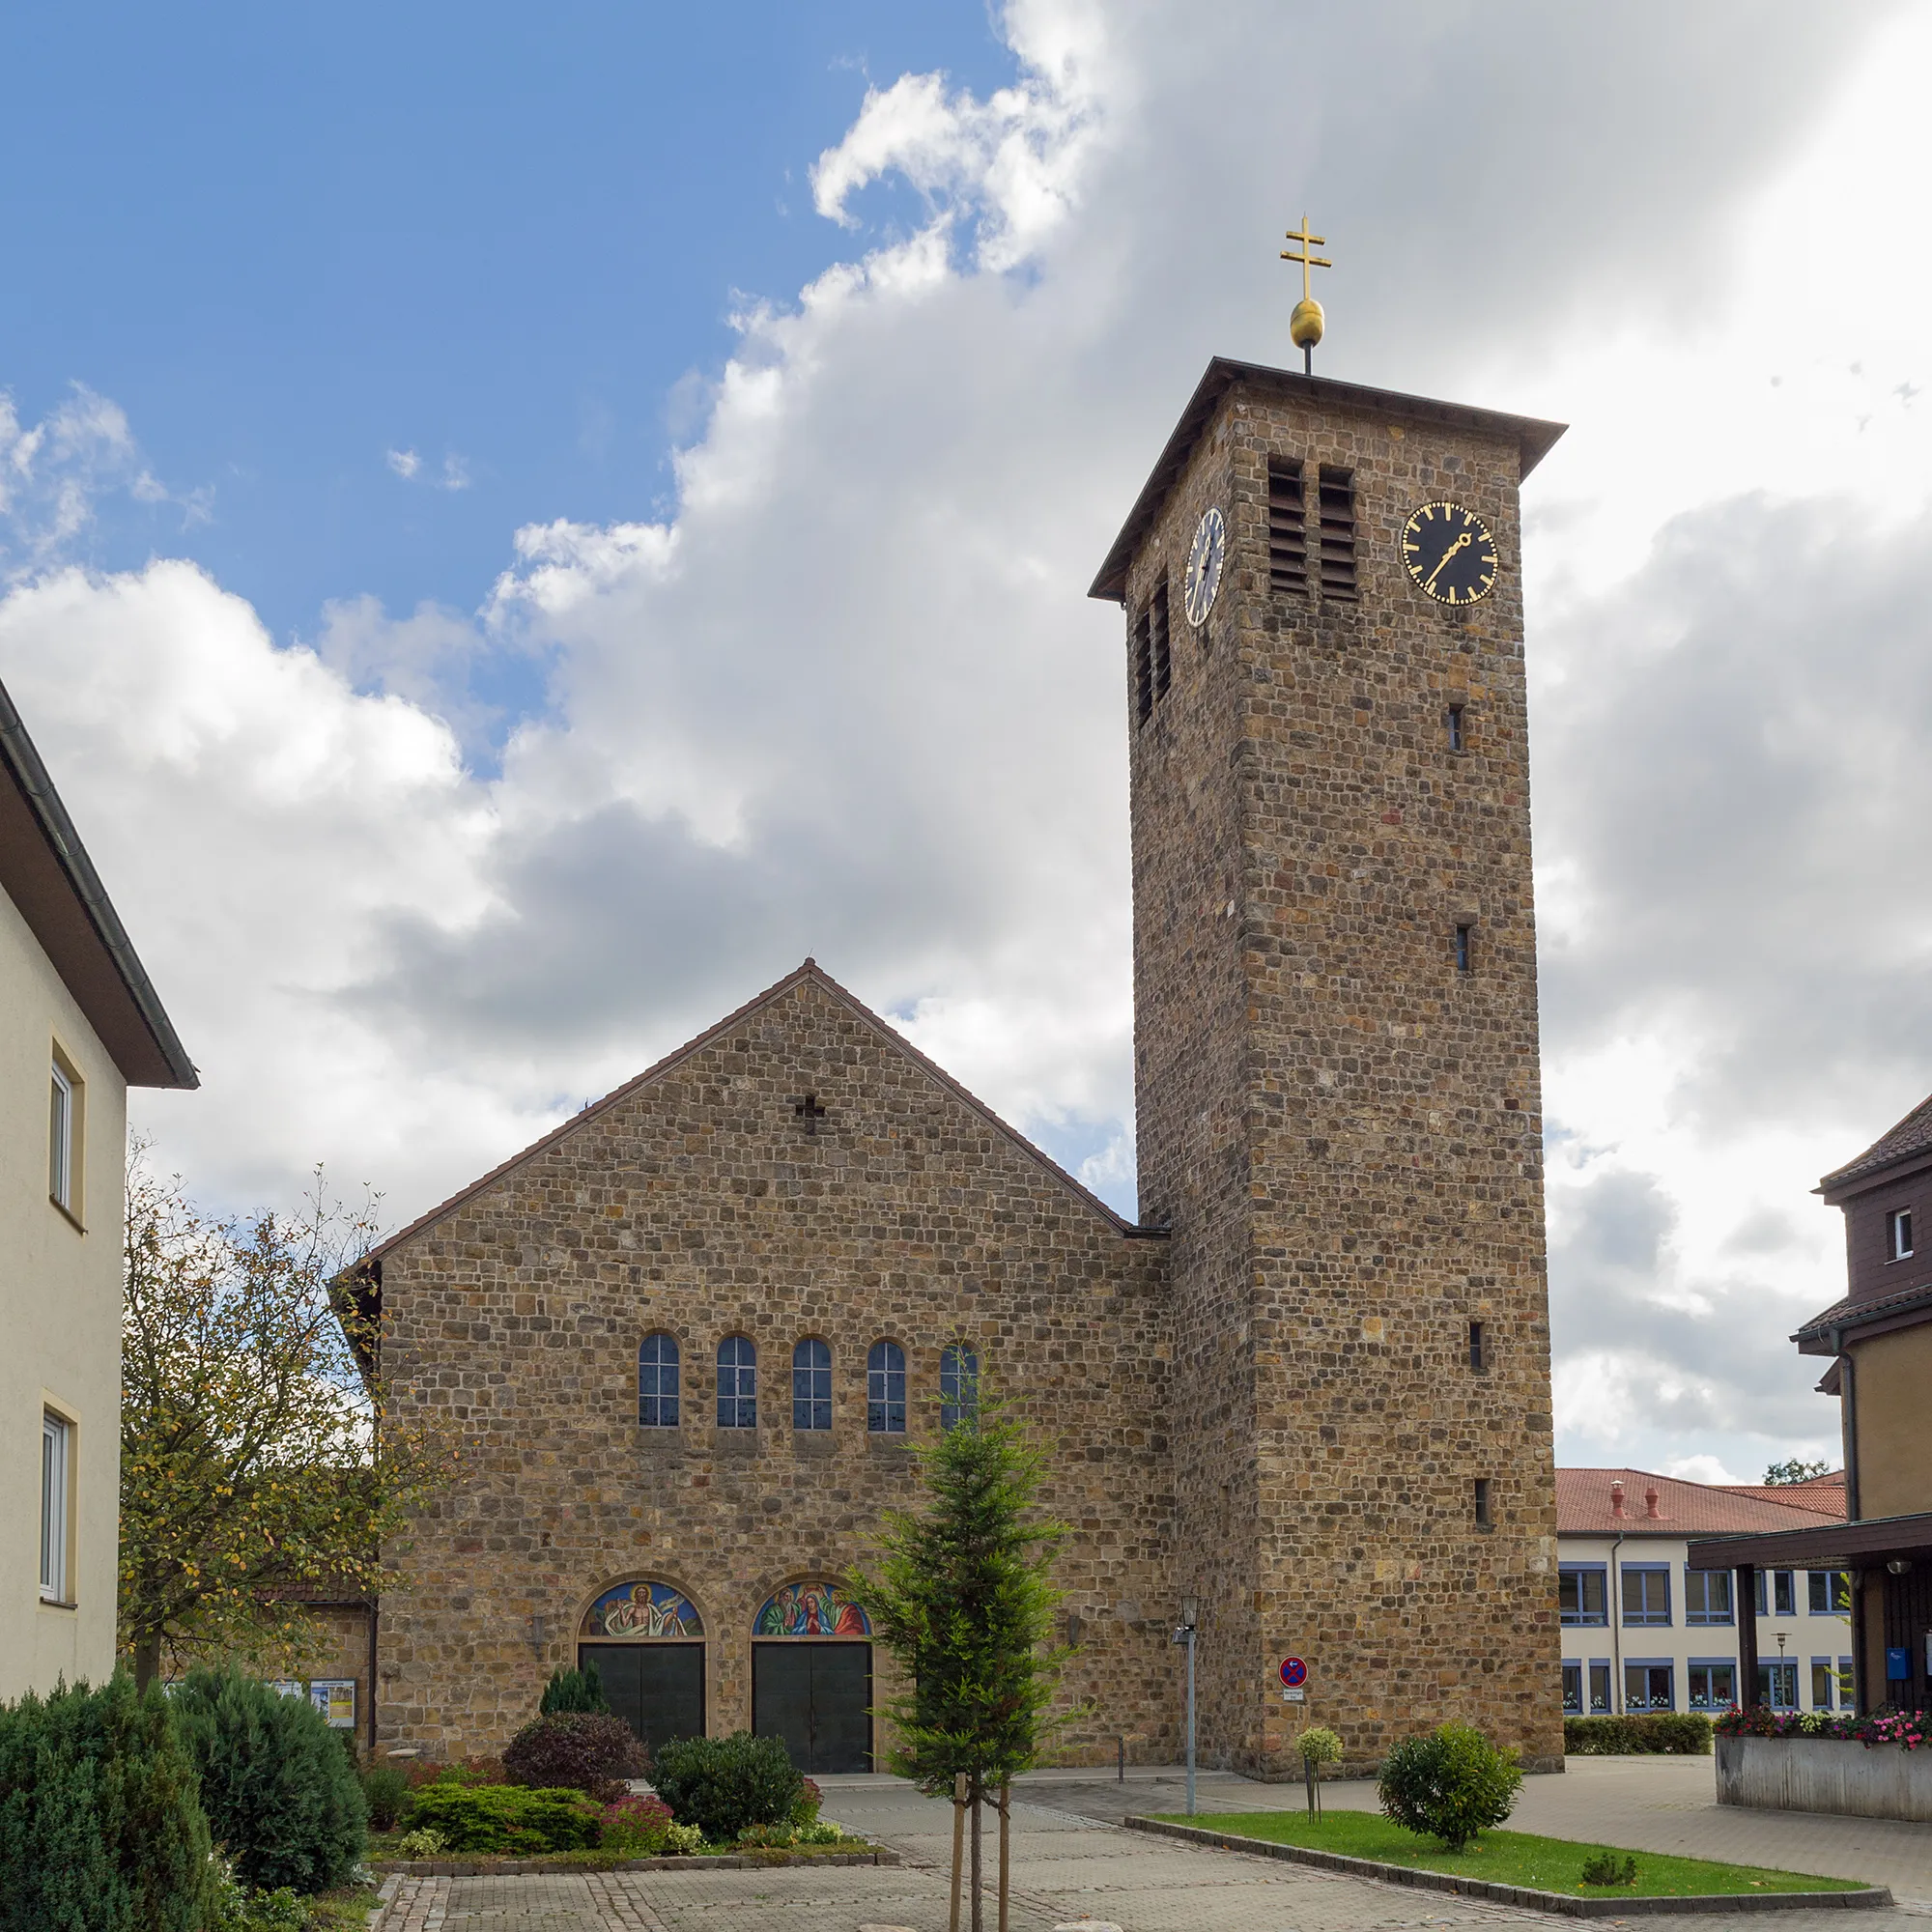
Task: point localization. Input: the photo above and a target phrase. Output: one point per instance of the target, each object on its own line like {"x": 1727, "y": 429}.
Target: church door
{"x": 658, "y": 1689}
{"x": 816, "y": 1696}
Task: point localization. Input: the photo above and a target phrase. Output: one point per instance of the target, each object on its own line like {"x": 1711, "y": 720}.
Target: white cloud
{"x": 849, "y": 698}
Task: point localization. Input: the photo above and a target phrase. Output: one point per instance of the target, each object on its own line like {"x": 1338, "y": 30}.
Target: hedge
{"x": 723, "y": 1784}
{"x": 510, "y": 1818}
{"x": 281, "y": 1794}
{"x": 1645, "y": 1734}
{"x": 101, "y": 1830}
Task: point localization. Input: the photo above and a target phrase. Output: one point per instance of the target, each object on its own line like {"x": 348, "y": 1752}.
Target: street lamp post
{"x": 1190, "y": 1611}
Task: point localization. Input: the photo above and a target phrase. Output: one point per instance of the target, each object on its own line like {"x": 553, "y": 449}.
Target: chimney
{"x": 1617, "y": 1499}
{"x": 1650, "y": 1503}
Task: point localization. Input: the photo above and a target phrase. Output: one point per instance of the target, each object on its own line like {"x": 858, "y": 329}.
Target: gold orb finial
{"x": 1304, "y": 326}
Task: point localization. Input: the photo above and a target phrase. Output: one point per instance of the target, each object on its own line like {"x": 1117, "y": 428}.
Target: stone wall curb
{"x": 1874, "y": 1897}
{"x": 481, "y": 1867}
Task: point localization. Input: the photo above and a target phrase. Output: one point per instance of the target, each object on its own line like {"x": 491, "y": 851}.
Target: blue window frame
{"x": 1572, "y": 1689}
{"x": 811, "y": 1384}
{"x": 1648, "y": 1683}
{"x": 1580, "y": 1593}
{"x": 1777, "y": 1683}
{"x": 737, "y": 1383}
{"x": 657, "y": 1382}
{"x": 1828, "y": 1593}
{"x": 1712, "y": 1684}
{"x": 886, "y": 1389}
{"x": 1707, "y": 1597}
{"x": 1782, "y": 1595}
{"x": 958, "y": 1384}
{"x": 1646, "y": 1599}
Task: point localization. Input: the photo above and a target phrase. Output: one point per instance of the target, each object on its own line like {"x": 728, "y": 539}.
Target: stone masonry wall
{"x": 1359, "y": 1177}
{"x": 697, "y": 1201}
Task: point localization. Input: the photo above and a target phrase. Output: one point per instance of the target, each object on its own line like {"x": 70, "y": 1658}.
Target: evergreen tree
{"x": 962, "y": 1598}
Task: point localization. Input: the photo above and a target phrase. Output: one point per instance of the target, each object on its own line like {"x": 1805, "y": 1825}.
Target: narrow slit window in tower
{"x": 1288, "y": 527}
{"x": 1338, "y": 533}
{"x": 1162, "y": 657}
{"x": 1478, "y": 1346}
{"x": 1142, "y": 668}
{"x": 1483, "y": 1517}
{"x": 1455, "y": 728}
{"x": 1465, "y": 948}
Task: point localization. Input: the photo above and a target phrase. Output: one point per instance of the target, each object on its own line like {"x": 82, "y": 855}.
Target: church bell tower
{"x": 1336, "y": 1067}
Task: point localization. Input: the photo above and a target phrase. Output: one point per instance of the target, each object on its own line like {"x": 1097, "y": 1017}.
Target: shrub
{"x": 1680, "y": 1733}
{"x": 768, "y": 1837}
{"x": 684, "y": 1838}
{"x": 824, "y": 1833}
{"x": 573, "y": 1690}
{"x": 470, "y": 1771}
{"x": 100, "y": 1823}
{"x": 281, "y": 1796}
{"x": 804, "y": 1806}
{"x": 1608, "y": 1869}
{"x": 385, "y": 1790}
{"x": 420, "y": 1844}
{"x": 512, "y": 1818}
{"x": 588, "y": 1750}
{"x": 1318, "y": 1745}
{"x": 723, "y": 1784}
{"x": 1450, "y": 1784}
{"x": 636, "y": 1828}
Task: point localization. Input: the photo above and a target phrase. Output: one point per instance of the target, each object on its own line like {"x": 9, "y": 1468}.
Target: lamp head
{"x": 1190, "y": 1611}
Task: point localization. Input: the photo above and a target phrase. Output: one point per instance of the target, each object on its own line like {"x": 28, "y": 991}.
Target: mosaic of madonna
{"x": 642, "y": 1609}
{"x": 811, "y": 1609}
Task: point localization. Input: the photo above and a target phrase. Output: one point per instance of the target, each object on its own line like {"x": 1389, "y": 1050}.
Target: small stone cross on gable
{"x": 811, "y": 1113}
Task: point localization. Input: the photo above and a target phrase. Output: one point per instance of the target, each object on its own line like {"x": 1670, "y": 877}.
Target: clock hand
{"x": 1462, "y": 543}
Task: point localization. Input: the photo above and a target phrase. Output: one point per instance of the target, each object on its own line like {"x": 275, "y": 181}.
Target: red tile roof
{"x": 1911, "y": 1135}
{"x": 1585, "y": 1505}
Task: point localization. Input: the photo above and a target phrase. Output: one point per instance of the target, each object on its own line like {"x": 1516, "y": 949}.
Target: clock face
{"x": 1449, "y": 552}
{"x": 1204, "y": 567}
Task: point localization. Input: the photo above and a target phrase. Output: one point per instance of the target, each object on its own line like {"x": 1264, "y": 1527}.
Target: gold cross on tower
{"x": 1304, "y": 326}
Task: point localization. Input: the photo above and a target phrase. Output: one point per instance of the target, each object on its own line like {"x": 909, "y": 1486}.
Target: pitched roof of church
{"x": 1911, "y": 1135}
{"x": 1586, "y": 1507}
{"x": 813, "y": 971}
{"x": 1533, "y": 437}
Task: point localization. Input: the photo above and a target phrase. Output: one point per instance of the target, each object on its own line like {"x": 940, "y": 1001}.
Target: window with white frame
{"x": 56, "y": 1457}
{"x": 886, "y": 1389}
{"x": 1898, "y": 1234}
{"x": 61, "y": 1112}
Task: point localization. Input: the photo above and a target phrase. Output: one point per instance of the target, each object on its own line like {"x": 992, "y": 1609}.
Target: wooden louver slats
{"x": 1287, "y": 529}
{"x": 1338, "y": 533}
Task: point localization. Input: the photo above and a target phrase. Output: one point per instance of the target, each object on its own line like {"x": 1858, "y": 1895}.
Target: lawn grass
{"x": 1505, "y": 1857}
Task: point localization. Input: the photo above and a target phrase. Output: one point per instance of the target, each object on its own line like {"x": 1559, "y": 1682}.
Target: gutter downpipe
{"x": 1616, "y": 1628}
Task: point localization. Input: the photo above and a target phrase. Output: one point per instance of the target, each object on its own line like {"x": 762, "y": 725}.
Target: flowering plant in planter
{"x": 1909, "y": 1730}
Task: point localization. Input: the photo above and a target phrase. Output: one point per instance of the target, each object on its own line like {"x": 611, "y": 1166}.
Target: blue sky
{"x": 288, "y": 240}
{"x": 684, "y": 441}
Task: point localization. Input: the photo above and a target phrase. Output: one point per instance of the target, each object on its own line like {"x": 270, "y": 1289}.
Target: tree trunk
{"x": 147, "y": 1662}
{"x": 979, "y": 1910}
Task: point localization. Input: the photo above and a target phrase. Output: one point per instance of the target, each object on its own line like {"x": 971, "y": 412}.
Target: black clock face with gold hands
{"x": 1449, "y": 552}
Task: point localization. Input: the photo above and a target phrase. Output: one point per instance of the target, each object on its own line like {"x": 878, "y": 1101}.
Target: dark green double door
{"x": 817, "y": 1697}
{"x": 658, "y": 1689}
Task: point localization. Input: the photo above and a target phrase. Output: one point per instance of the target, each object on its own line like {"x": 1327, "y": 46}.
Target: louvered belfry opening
{"x": 1288, "y": 527}
{"x": 1162, "y": 657}
{"x": 1142, "y": 667}
{"x": 1338, "y": 532}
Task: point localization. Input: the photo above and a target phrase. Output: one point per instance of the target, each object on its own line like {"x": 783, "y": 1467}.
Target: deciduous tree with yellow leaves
{"x": 258, "y": 1453}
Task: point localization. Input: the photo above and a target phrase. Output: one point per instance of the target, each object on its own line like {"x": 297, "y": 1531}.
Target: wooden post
{"x": 1747, "y": 1614}
{"x": 1005, "y": 1800}
{"x": 978, "y": 1898}
{"x": 958, "y": 1845}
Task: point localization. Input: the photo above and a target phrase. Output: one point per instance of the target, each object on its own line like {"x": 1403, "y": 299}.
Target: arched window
{"x": 958, "y": 1385}
{"x": 657, "y": 1382}
{"x": 885, "y": 1389}
{"x": 737, "y": 1383}
{"x": 811, "y": 1384}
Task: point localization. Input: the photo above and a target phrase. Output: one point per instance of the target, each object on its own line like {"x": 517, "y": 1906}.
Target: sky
{"x": 515, "y": 528}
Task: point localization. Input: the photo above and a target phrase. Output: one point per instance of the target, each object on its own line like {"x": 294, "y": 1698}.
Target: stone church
{"x": 688, "y": 1338}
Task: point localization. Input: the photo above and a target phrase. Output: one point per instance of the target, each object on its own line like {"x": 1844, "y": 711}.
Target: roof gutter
{"x": 37, "y": 786}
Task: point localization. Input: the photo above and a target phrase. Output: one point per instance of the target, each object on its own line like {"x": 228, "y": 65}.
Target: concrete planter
{"x": 1826, "y": 1775}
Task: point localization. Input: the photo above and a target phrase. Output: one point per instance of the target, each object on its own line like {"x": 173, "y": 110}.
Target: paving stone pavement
{"x": 1065, "y": 1866}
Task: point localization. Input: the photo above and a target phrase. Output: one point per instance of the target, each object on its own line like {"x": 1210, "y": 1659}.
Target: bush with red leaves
{"x": 581, "y": 1751}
